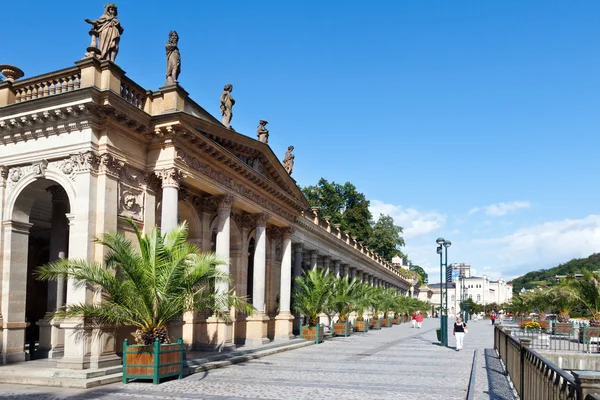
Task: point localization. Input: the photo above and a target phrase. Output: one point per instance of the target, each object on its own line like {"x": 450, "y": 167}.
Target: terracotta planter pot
{"x": 361, "y": 326}
{"x": 342, "y": 329}
{"x": 153, "y": 362}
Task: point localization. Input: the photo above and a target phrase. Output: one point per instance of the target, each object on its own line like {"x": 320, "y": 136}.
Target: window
{"x": 470, "y": 296}
{"x": 452, "y": 298}
{"x": 478, "y": 297}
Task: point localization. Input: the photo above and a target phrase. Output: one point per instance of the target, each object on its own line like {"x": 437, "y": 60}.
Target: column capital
{"x": 171, "y": 177}
{"x": 261, "y": 219}
{"x": 298, "y": 247}
{"x": 337, "y": 262}
{"x": 287, "y": 233}
{"x": 3, "y": 175}
{"x": 18, "y": 227}
{"x": 224, "y": 202}
{"x": 313, "y": 254}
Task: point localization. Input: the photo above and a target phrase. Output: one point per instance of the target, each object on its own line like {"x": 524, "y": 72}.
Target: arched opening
{"x": 39, "y": 233}
{"x": 250, "y": 272}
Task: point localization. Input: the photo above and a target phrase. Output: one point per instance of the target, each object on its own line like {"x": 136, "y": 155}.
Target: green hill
{"x": 543, "y": 276}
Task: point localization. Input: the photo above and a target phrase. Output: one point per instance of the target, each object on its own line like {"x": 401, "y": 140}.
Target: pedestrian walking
{"x": 413, "y": 320}
{"x": 460, "y": 328}
{"x": 419, "y": 319}
{"x": 493, "y": 317}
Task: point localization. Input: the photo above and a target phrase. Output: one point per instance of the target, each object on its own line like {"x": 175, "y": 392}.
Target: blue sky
{"x": 476, "y": 121}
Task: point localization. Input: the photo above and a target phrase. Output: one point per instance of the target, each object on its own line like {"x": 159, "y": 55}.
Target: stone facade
{"x": 83, "y": 148}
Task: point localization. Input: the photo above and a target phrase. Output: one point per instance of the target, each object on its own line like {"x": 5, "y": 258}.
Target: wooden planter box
{"x": 386, "y": 322}
{"x": 361, "y": 326}
{"x": 375, "y": 324}
{"x": 395, "y": 321}
{"x": 589, "y": 335}
{"x": 312, "y": 333}
{"x": 342, "y": 329}
{"x": 562, "y": 328}
{"x": 153, "y": 362}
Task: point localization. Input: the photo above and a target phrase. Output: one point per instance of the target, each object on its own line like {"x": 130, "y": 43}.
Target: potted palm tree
{"x": 311, "y": 299}
{"x": 147, "y": 285}
{"x": 364, "y": 292}
{"x": 538, "y": 299}
{"x": 588, "y": 293}
{"x": 377, "y": 301}
{"x": 563, "y": 299}
{"x": 387, "y": 301}
{"x": 344, "y": 295}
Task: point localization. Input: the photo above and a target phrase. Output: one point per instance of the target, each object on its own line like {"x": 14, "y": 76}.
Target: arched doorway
{"x": 38, "y": 232}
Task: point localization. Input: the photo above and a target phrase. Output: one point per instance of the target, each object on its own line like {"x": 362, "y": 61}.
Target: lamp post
{"x": 443, "y": 243}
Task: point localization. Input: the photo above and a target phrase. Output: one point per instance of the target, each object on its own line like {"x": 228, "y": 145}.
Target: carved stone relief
{"x": 131, "y": 202}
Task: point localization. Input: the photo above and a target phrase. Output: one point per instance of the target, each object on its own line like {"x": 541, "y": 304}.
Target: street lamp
{"x": 443, "y": 244}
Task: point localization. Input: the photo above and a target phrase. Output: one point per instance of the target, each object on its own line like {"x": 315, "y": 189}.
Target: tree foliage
{"x": 148, "y": 284}
{"x": 344, "y": 204}
{"x": 423, "y": 276}
{"x": 544, "y": 277}
{"x": 385, "y": 239}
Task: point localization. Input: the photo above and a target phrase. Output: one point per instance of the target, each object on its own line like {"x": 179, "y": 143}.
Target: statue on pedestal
{"x": 108, "y": 30}
{"x": 288, "y": 161}
{"x": 227, "y": 103}
{"x": 262, "y": 132}
{"x": 173, "y": 59}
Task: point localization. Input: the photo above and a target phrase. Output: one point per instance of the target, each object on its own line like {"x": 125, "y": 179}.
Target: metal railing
{"x": 572, "y": 337}
{"x": 533, "y": 377}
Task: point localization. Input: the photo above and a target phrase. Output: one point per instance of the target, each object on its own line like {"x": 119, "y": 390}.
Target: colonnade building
{"x": 84, "y": 148}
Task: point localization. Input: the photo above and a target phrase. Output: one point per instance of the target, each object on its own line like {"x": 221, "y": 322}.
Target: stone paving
{"x": 394, "y": 363}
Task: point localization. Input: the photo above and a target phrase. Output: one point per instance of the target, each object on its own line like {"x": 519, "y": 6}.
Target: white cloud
{"x": 415, "y": 223}
{"x": 530, "y": 248}
{"x": 501, "y": 208}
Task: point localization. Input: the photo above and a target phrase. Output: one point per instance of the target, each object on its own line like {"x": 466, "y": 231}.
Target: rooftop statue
{"x": 227, "y": 103}
{"x": 288, "y": 161}
{"x": 108, "y": 30}
{"x": 262, "y": 132}
{"x": 173, "y": 59}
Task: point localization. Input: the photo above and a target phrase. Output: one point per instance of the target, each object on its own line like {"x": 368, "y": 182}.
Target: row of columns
{"x": 339, "y": 269}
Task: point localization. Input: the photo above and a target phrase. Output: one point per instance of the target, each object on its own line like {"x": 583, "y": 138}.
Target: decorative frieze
{"x": 237, "y": 187}
{"x": 111, "y": 165}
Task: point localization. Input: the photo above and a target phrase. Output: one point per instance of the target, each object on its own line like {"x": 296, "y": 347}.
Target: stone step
{"x": 59, "y": 373}
{"x": 61, "y": 382}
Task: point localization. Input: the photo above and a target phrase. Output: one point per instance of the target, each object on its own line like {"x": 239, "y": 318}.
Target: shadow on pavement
{"x": 498, "y": 386}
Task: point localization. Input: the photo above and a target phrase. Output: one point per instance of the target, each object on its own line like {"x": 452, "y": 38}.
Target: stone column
{"x": 370, "y": 279}
{"x": 257, "y": 324}
{"x": 298, "y": 254}
{"x": 283, "y": 320}
{"x": 336, "y": 268}
{"x": 313, "y": 259}
{"x": 353, "y": 273}
{"x": 170, "y": 193}
{"x": 346, "y": 269}
{"x": 14, "y": 287}
{"x": 326, "y": 263}
{"x": 412, "y": 291}
{"x": 52, "y": 338}
{"x": 219, "y": 331}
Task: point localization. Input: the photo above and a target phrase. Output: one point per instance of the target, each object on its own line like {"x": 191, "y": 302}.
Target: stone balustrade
{"x": 46, "y": 85}
{"x": 345, "y": 236}
{"x": 133, "y": 93}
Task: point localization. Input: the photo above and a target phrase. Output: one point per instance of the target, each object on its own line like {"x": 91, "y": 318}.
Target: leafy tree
{"x": 563, "y": 298}
{"x": 473, "y": 307}
{"x": 344, "y": 204}
{"x": 148, "y": 284}
{"x": 534, "y": 279}
{"x": 385, "y": 239}
{"x": 423, "y": 277}
{"x": 588, "y": 292}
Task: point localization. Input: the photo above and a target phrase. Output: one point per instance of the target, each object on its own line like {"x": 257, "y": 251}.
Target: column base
{"x": 256, "y": 330}
{"x": 219, "y": 334}
{"x": 13, "y": 342}
{"x": 74, "y": 363}
{"x": 284, "y": 326}
{"x": 105, "y": 361}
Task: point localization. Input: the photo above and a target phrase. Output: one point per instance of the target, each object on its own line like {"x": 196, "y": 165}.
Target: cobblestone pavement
{"x": 394, "y": 363}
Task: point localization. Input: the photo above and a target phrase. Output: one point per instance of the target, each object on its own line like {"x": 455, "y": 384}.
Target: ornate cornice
{"x": 232, "y": 184}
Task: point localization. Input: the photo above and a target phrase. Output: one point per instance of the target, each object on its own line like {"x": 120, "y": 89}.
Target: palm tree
{"x": 146, "y": 285}
{"x": 563, "y": 299}
{"x": 364, "y": 294}
{"x": 518, "y": 306}
{"x": 387, "y": 301}
{"x": 344, "y": 296}
{"x": 588, "y": 292}
{"x": 313, "y": 295}
{"x": 538, "y": 299}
